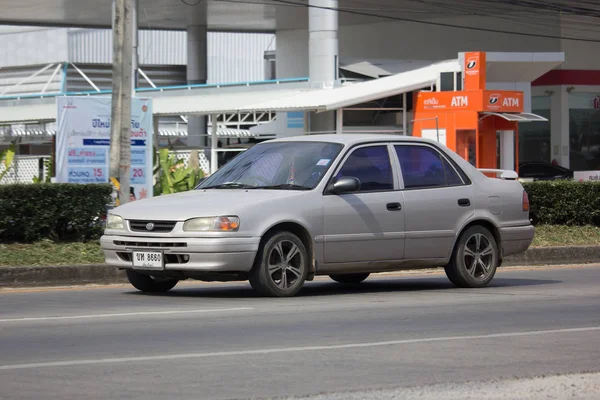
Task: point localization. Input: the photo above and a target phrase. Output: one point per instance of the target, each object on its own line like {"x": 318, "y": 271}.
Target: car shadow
{"x": 331, "y": 288}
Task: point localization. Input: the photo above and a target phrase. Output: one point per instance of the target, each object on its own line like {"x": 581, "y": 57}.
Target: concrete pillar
{"x": 197, "y": 73}
{"x": 559, "y": 126}
{"x": 507, "y": 150}
{"x": 323, "y": 60}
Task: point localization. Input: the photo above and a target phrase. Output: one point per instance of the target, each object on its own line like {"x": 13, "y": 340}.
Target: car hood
{"x": 199, "y": 203}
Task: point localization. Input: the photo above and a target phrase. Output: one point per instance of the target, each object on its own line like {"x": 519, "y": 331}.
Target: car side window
{"x": 372, "y": 166}
{"x": 423, "y": 167}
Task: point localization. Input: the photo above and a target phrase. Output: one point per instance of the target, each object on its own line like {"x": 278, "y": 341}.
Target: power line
{"x": 447, "y": 25}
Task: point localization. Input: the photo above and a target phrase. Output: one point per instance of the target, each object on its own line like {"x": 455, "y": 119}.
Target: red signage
{"x": 475, "y": 68}
{"x": 502, "y": 100}
{"x": 484, "y": 100}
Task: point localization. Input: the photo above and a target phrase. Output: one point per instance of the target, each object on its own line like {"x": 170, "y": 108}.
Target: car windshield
{"x": 276, "y": 165}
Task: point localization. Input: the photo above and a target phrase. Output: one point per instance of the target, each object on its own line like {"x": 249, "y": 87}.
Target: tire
{"x": 474, "y": 259}
{"x": 350, "y": 278}
{"x": 145, "y": 283}
{"x": 273, "y": 263}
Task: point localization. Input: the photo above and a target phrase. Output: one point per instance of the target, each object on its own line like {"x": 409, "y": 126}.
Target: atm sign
{"x": 503, "y": 101}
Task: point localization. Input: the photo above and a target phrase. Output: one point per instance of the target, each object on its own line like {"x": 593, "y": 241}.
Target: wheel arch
{"x": 303, "y": 234}
{"x": 489, "y": 225}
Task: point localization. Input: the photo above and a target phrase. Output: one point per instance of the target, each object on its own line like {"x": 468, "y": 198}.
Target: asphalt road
{"x": 394, "y": 334}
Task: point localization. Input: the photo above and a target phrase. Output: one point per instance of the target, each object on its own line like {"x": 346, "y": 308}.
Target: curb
{"x": 570, "y": 255}
{"x": 60, "y": 275}
{"x": 101, "y": 274}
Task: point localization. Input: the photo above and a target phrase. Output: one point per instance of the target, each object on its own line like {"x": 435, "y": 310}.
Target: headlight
{"x": 212, "y": 224}
{"x": 115, "y": 222}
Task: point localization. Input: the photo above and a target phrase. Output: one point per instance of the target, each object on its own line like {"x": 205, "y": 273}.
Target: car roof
{"x": 350, "y": 138}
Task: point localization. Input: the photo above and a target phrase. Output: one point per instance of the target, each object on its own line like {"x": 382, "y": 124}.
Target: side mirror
{"x": 345, "y": 185}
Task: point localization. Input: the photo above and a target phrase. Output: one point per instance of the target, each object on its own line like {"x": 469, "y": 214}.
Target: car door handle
{"x": 464, "y": 202}
{"x": 394, "y": 206}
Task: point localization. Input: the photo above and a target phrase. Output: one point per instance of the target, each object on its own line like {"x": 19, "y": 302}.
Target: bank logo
{"x": 494, "y": 99}
{"x": 471, "y": 63}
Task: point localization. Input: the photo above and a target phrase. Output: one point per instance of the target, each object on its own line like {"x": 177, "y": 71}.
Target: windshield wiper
{"x": 286, "y": 186}
{"x": 230, "y": 185}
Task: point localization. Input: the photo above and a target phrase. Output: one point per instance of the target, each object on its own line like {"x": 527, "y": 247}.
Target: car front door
{"x": 438, "y": 199}
{"x": 367, "y": 225}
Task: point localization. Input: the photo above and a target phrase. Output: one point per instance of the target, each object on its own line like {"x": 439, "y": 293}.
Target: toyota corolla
{"x": 345, "y": 206}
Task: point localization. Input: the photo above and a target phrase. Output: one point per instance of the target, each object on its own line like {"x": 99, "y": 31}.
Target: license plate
{"x": 148, "y": 259}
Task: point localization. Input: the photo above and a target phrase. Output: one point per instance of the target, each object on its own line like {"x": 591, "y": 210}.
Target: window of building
{"x": 372, "y": 166}
{"x": 534, "y": 137}
{"x": 423, "y": 167}
{"x": 584, "y": 131}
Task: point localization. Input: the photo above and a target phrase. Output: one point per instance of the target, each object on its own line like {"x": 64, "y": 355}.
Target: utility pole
{"x": 120, "y": 134}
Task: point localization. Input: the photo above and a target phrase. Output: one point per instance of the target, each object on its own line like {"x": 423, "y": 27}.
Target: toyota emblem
{"x": 149, "y": 226}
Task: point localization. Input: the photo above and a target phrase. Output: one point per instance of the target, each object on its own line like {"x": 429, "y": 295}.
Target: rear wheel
{"x": 350, "y": 278}
{"x": 474, "y": 260}
{"x": 149, "y": 284}
{"x": 281, "y": 266}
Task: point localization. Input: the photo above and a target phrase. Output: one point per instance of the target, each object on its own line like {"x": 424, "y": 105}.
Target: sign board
{"x": 484, "y": 100}
{"x": 583, "y": 176}
{"x": 83, "y": 142}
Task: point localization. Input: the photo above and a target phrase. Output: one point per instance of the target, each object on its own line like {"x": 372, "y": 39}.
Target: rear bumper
{"x": 185, "y": 254}
{"x": 516, "y": 239}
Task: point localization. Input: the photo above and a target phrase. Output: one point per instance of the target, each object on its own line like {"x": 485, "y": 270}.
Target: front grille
{"x": 157, "y": 226}
{"x": 147, "y": 244}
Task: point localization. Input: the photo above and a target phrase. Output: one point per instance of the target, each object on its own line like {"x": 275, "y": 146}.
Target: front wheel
{"x": 149, "y": 284}
{"x": 474, "y": 260}
{"x": 281, "y": 266}
{"x": 350, "y": 278}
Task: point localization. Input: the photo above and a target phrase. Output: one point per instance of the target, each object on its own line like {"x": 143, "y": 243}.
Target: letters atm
{"x": 480, "y": 125}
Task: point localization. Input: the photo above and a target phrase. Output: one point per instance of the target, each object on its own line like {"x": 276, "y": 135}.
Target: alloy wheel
{"x": 479, "y": 256}
{"x": 285, "y": 264}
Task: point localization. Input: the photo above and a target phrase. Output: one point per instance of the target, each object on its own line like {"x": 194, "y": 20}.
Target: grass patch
{"x": 50, "y": 253}
{"x": 560, "y": 235}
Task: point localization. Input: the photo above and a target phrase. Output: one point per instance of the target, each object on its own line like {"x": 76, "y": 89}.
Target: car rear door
{"x": 367, "y": 225}
{"x": 438, "y": 199}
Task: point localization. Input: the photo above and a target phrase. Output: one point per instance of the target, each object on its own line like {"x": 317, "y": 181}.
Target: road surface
{"x": 411, "y": 335}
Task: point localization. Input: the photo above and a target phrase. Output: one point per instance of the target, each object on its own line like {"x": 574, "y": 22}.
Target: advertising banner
{"x": 83, "y": 142}
{"x": 585, "y": 176}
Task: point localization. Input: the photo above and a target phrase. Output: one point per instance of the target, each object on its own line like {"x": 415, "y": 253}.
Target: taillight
{"x": 525, "y": 201}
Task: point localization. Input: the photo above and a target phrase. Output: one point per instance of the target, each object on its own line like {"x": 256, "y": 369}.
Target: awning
{"x": 264, "y": 99}
{"x": 519, "y": 117}
{"x": 28, "y": 114}
{"x": 303, "y": 99}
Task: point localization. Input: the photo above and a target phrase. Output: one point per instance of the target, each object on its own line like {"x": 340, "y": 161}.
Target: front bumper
{"x": 185, "y": 254}
{"x": 516, "y": 239}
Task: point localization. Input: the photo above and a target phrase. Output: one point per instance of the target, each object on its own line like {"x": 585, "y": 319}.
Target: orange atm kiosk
{"x": 480, "y": 125}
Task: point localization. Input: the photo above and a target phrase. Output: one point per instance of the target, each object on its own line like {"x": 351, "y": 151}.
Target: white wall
{"x": 291, "y": 54}
{"x": 32, "y": 46}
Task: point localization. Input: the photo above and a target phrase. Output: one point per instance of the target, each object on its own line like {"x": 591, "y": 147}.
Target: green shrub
{"x": 57, "y": 211}
{"x": 564, "y": 202}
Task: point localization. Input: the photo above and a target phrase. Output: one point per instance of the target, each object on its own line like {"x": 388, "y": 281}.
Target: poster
{"x": 584, "y": 176}
{"x": 83, "y": 142}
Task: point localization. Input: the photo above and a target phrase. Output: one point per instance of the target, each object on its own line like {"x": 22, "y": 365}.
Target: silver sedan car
{"x": 345, "y": 206}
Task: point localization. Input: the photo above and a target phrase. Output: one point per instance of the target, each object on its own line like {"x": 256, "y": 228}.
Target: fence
{"x": 25, "y": 168}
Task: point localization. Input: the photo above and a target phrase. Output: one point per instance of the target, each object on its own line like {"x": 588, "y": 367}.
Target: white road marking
{"x": 134, "y": 314}
{"x": 188, "y": 356}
